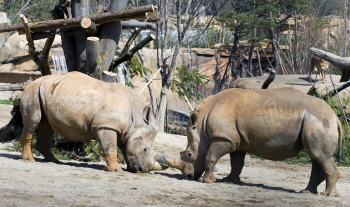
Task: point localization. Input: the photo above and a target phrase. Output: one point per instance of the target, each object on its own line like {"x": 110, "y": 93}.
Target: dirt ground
{"x": 265, "y": 183}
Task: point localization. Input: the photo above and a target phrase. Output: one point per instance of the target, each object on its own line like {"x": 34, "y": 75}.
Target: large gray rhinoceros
{"x": 82, "y": 108}
{"x": 274, "y": 124}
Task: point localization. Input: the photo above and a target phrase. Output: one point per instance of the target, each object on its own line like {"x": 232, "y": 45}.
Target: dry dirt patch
{"x": 87, "y": 184}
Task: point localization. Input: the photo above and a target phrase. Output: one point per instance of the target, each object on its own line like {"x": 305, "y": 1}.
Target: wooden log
{"x": 102, "y": 18}
{"x": 110, "y": 33}
{"x": 109, "y": 77}
{"x": 269, "y": 79}
{"x": 132, "y": 24}
{"x": 130, "y": 53}
{"x": 89, "y": 26}
{"x": 342, "y": 63}
{"x": 152, "y": 17}
{"x": 92, "y": 65}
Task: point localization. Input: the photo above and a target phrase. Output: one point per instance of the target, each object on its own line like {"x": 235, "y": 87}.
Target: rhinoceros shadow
{"x": 176, "y": 176}
{"x": 73, "y": 164}
{"x": 10, "y": 156}
{"x": 261, "y": 186}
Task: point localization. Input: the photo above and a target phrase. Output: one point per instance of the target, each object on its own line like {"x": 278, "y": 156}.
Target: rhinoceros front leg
{"x": 108, "y": 141}
{"x": 237, "y": 163}
{"x": 217, "y": 149}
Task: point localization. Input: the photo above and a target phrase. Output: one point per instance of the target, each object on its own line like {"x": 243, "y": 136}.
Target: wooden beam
{"x": 100, "y": 18}
{"x": 343, "y": 63}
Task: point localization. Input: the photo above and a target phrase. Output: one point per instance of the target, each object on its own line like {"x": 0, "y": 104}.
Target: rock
{"x": 19, "y": 46}
{"x": 26, "y": 64}
{"x": 5, "y": 52}
{"x": 7, "y": 67}
{"x": 3, "y": 22}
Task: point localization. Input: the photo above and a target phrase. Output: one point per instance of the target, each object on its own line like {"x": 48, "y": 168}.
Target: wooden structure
{"x": 89, "y": 41}
{"x": 342, "y": 63}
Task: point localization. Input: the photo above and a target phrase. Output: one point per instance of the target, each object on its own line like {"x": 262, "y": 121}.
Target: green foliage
{"x": 91, "y": 151}
{"x": 186, "y": 82}
{"x": 136, "y": 68}
{"x": 35, "y": 10}
{"x": 8, "y": 102}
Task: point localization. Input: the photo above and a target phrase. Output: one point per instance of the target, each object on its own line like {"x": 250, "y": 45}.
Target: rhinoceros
{"x": 274, "y": 124}
{"x": 82, "y": 109}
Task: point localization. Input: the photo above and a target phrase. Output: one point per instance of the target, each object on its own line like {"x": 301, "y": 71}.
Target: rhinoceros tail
{"x": 340, "y": 150}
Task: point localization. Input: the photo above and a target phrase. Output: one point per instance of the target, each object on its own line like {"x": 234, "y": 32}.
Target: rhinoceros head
{"x": 191, "y": 162}
{"x": 139, "y": 152}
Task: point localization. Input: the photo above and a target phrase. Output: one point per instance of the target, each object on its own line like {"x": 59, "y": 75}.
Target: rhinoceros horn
{"x": 157, "y": 164}
{"x": 175, "y": 163}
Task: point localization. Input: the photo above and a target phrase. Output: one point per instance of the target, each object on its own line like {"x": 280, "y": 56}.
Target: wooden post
{"x": 80, "y": 9}
{"x": 110, "y": 33}
{"x": 93, "y": 58}
{"x": 258, "y": 56}
{"x": 109, "y": 77}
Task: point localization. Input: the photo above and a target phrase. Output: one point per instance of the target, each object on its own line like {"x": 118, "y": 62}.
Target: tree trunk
{"x": 217, "y": 75}
{"x": 167, "y": 78}
{"x": 152, "y": 93}
{"x": 251, "y": 50}
{"x": 110, "y": 34}
{"x": 342, "y": 63}
{"x": 276, "y": 61}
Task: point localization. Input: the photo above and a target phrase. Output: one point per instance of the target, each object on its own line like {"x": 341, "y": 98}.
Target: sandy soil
{"x": 265, "y": 183}
{"x": 73, "y": 183}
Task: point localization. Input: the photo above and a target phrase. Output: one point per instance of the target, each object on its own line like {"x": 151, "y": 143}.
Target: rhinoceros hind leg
{"x": 332, "y": 175}
{"x": 26, "y": 141}
{"x": 317, "y": 177}
{"x": 43, "y": 144}
{"x": 237, "y": 163}
{"x": 108, "y": 141}
{"x": 217, "y": 149}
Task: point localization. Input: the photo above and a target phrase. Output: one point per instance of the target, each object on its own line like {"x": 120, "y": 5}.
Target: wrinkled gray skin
{"x": 274, "y": 124}
{"x": 82, "y": 108}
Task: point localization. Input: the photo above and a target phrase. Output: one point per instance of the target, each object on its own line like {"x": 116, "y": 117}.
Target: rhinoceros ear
{"x": 193, "y": 120}
{"x": 148, "y": 116}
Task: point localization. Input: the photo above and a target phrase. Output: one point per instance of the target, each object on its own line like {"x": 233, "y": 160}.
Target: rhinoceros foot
{"x": 27, "y": 157}
{"x": 333, "y": 193}
{"x": 232, "y": 179}
{"x": 207, "y": 178}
